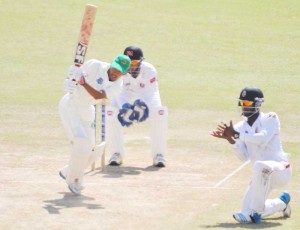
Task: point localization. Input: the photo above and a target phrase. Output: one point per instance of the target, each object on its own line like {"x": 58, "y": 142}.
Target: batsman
{"x": 139, "y": 101}
{"x": 85, "y": 87}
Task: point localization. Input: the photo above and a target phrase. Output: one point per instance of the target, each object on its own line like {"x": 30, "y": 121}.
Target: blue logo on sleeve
{"x": 100, "y": 81}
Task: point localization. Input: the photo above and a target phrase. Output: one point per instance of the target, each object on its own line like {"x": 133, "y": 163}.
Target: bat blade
{"x": 85, "y": 33}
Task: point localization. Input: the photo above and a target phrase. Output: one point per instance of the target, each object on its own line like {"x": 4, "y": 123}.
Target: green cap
{"x": 121, "y": 63}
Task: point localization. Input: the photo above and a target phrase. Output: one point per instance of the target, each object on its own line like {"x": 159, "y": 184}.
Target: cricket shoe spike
{"x": 241, "y": 218}
{"x": 159, "y": 161}
{"x": 256, "y": 218}
{"x": 115, "y": 160}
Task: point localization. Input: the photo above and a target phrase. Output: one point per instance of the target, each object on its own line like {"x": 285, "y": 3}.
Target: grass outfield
{"x": 205, "y": 52}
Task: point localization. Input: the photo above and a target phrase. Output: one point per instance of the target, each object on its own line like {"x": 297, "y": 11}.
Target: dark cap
{"x": 134, "y": 52}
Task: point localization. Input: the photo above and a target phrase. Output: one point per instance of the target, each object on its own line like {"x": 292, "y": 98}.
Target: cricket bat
{"x": 85, "y": 34}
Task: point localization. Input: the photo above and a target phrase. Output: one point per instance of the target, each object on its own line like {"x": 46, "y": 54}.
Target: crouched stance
{"x": 256, "y": 138}
{"x": 139, "y": 101}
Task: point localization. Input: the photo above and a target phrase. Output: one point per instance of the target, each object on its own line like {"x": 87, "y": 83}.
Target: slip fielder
{"x": 257, "y": 138}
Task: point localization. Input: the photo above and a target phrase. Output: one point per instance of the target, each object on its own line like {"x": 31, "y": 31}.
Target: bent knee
{"x": 262, "y": 167}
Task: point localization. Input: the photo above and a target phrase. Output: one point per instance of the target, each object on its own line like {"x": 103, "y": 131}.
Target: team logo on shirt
{"x": 161, "y": 112}
{"x": 153, "y": 80}
{"x": 142, "y": 85}
{"x": 110, "y": 112}
{"x": 100, "y": 81}
{"x": 271, "y": 115}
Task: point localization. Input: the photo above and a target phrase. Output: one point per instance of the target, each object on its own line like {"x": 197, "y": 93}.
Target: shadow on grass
{"x": 120, "y": 171}
{"x": 264, "y": 225}
{"x": 69, "y": 200}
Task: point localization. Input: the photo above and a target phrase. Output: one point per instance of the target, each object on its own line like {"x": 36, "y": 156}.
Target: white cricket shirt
{"x": 143, "y": 87}
{"x": 261, "y": 141}
{"x": 97, "y": 77}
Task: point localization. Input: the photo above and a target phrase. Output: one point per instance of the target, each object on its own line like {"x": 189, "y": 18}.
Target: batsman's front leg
{"x": 80, "y": 153}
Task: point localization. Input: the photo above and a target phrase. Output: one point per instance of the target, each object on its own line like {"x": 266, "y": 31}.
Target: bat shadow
{"x": 69, "y": 200}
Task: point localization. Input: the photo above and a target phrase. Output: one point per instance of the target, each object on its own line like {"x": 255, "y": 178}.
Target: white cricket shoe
{"x": 159, "y": 160}
{"x": 75, "y": 188}
{"x": 63, "y": 172}
{"x": 241, "y": 218}
{"x": 115, "y": 159}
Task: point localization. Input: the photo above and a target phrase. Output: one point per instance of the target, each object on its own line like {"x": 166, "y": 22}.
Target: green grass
{"x": 205, "y": 52}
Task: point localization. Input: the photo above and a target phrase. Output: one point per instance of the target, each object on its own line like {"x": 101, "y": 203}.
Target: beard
{"x": 249, "y": 112}
{"x": 134, "y": 72}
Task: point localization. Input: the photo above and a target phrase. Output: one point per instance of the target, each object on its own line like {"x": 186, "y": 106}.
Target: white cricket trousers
{"x": 78, "y": 121}
{"x": 158, "y": 119}
{"x": 267, "y": 175}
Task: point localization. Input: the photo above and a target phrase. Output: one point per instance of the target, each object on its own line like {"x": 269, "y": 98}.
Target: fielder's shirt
{"x": 261, "y": 141}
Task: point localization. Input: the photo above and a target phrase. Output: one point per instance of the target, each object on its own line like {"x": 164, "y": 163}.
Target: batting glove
{"x": 70, "y": 85}
{"x": 76, "y": 73}
{"x": 141, "y": 110}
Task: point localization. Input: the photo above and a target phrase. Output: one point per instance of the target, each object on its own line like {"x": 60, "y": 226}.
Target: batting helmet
{"x": 251, "y": 96}
{"x": 250, "y": 100}
{"x": 134, "y": 53}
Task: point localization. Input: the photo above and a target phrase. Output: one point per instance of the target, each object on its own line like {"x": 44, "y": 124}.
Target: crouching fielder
{"x": 138, "y": 102}
{"x": 256, "y": 138}
{"x": 85, "y": 87}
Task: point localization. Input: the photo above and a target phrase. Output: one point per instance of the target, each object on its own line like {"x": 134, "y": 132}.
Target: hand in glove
{"x": 70, "y": 85}
{"x": 126, "y": 115}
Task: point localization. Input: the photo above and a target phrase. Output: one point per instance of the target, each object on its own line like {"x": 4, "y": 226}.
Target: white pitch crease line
{"x": 231, "y": 174}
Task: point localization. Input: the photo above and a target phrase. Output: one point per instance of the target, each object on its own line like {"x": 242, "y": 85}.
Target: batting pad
{"x": 96, "y": 154}
{"x": 77, "y": 120}
{"x": 158, "y": 130}
{"x": 114, "y": 132}
{"x": 80, "y": 154}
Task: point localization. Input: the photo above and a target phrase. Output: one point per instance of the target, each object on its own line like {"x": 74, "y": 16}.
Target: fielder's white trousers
{"x": 267, "y": 175}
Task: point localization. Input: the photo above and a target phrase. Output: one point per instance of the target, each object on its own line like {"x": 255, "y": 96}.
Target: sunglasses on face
{"x": 136, "y": 62}
{"x": 246, "y": 103}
